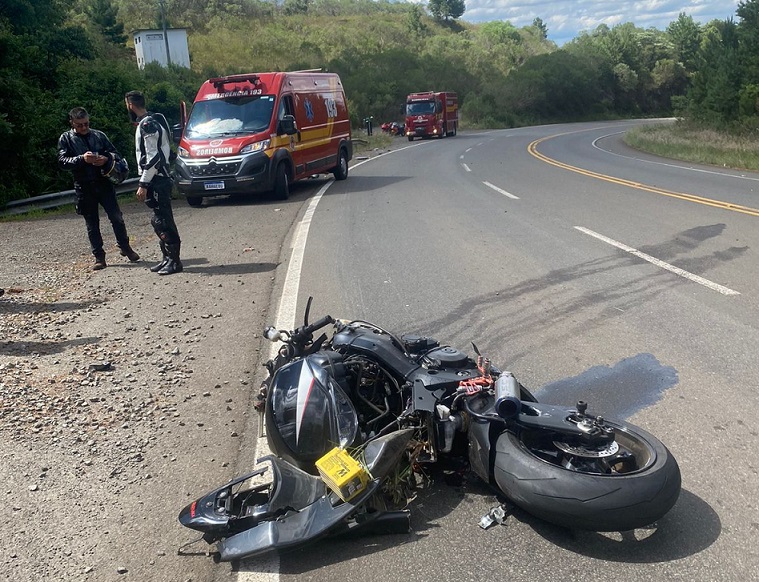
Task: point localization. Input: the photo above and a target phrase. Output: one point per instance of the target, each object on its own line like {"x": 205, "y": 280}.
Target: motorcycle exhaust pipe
{"x": 507, "y": 402}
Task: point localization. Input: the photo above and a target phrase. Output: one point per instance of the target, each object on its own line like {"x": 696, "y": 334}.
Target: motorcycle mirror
{"x": 308, "y": 310}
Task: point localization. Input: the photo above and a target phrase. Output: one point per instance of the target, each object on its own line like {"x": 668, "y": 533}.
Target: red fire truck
{"x": 431, "y": 114}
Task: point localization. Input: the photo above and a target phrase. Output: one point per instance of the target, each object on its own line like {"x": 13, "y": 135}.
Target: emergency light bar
{"x": 219, "y": 82}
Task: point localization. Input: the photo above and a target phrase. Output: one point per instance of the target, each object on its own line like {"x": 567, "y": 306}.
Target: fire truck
{"x": 432, "y": 114}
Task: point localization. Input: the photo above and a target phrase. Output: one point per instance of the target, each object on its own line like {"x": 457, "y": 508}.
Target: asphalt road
{"x": 592, "y": 272}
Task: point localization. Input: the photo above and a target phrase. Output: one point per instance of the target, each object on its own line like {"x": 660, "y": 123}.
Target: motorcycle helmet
{"x": 115, "y": 169}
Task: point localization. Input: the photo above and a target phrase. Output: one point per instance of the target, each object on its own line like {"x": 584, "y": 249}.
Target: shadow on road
{"x": 24, "y": 348}
{"x": 203, "y": 267}
{"x": 23, "y": 306}
{"x": 689, "y": 528}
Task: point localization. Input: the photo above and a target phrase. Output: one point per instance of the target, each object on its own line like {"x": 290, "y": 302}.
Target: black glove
{"x": 150, "y": 199}
{"x": 79, "y": 205}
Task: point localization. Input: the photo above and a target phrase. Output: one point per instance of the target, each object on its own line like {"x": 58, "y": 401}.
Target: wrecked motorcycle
{"x": 352, "y": 415}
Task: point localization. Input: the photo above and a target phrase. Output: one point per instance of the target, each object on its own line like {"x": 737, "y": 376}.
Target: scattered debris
{"x": 497, "y": 515}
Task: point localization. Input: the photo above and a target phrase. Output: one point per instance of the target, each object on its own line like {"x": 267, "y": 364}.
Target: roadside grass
{"x": 38, "y": 213}
{"x": 365, "y": 143}
{"x": 691, "y": 143}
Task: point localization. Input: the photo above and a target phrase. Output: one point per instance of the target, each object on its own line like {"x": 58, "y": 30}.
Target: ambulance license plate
{"x": 214, "y": 185}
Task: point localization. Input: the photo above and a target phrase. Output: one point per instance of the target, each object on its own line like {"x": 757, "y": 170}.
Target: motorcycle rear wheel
{"x": 636, "y": 487}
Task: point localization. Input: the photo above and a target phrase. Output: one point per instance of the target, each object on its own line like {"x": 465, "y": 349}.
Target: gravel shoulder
{"x": 125, "y": 395}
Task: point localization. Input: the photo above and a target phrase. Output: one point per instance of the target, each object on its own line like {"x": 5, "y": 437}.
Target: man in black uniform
{"x": 152, "y": 144}
{"x": 84, "y": 152}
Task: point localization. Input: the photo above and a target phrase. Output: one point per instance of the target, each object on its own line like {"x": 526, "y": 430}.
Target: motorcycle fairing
{"x": 212, "y": 512}
{"x": 308, "y": 413}
{"x": 306, "y": 510}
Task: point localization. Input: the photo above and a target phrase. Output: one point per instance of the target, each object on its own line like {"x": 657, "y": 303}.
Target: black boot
{"x": 128, "y": 252}
{"x": 157, "y": 267}
{"x": 99, "y": 261}
{"x": 173, "y": 265}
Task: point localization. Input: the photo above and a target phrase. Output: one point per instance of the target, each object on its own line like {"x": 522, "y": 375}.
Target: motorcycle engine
{"x": 446, "y": 357}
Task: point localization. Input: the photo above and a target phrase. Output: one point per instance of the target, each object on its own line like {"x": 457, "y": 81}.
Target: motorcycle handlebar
{"x": 318, "y": 324}
{"x": 302, "y": 334}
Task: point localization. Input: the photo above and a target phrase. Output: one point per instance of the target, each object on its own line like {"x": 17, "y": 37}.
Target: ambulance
{"x": 259, "y": 132}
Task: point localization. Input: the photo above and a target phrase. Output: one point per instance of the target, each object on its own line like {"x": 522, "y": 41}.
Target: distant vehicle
{"x": 393, "y": 128}
{"x": 259, "y": 132}
{"x": 432, "y": 114}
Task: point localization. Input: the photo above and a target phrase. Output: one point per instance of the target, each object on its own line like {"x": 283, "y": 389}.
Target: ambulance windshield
{"x": 420, "y": 108}
{"x": 230, "y": 116}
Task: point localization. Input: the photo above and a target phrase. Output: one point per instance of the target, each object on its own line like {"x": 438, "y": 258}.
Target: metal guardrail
{"x": 56, "y": 199}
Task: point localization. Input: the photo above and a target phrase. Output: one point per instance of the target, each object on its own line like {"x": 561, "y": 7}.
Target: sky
{"x": 565, "y": 19}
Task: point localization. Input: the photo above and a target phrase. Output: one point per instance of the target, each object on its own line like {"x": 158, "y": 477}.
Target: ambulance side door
{"x": 286, "y": 113}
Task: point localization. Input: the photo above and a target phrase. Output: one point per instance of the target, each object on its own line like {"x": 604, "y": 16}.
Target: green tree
{"x": 748, "y": 38}
{"x": 35, "y": 45}
{"x": 416, "y": 25}
{"x": 685, "y": 34}
{"x": 713, "y": 97}
{"x": 291, "y": 7}
{"x": 103, "y": 14}
{"x": 446, "y": 9}
{"x": 555, "y": 86}
{"x": 541, "y": 27}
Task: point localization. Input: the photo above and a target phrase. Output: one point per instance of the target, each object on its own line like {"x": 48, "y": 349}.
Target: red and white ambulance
{"x": 260, "y": 131}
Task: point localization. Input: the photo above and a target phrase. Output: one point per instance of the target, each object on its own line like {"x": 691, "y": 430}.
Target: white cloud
{"x": 565, "y": 19}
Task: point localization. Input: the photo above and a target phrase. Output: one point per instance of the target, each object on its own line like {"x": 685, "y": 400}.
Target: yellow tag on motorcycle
{"x": 343, "y": 474}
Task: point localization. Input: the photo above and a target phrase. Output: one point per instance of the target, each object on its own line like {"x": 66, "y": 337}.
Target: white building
{"x": 152, "y": 45}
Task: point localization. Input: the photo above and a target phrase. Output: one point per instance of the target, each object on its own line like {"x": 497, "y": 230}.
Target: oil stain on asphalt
{"x": 620, "y": 391}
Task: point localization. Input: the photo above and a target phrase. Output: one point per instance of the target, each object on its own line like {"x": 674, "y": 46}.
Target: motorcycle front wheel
{"x": 631, "y": 488}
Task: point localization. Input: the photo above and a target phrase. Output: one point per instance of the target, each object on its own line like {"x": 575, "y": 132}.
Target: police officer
{"x": 84, "y": 151}
{"x": 152, "y": 144}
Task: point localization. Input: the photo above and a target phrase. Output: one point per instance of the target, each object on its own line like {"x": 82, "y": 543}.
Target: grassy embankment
{"x": 682, "y": 141}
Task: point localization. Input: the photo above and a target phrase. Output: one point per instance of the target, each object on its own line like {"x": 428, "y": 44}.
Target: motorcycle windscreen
{"x": 311, "y": 412}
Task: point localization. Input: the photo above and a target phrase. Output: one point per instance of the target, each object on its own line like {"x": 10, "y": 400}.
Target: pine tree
{"x": 103, "y": 14}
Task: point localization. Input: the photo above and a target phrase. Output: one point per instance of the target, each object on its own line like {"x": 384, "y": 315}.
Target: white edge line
{"x": 682, "y": 166}
{"x": 267, "y": 567}
{"x": 659, "y": 263}
{"x": 501, "y": 191}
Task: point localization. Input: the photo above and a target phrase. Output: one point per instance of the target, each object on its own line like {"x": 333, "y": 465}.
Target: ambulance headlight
{"x": 258, "y": 146}
{"x": 183, "y": 153}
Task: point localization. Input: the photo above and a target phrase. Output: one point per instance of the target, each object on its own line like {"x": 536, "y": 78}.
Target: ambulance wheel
{"x": 341, "y": 169}
{"x": 281, "y": 183}
{"x": 195, "y": 201}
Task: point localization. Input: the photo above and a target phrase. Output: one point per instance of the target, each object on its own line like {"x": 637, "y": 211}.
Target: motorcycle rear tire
{"x": 590, "y": 501}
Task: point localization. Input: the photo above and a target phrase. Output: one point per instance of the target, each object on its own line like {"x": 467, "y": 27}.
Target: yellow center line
{"x": 533, "y": 150}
